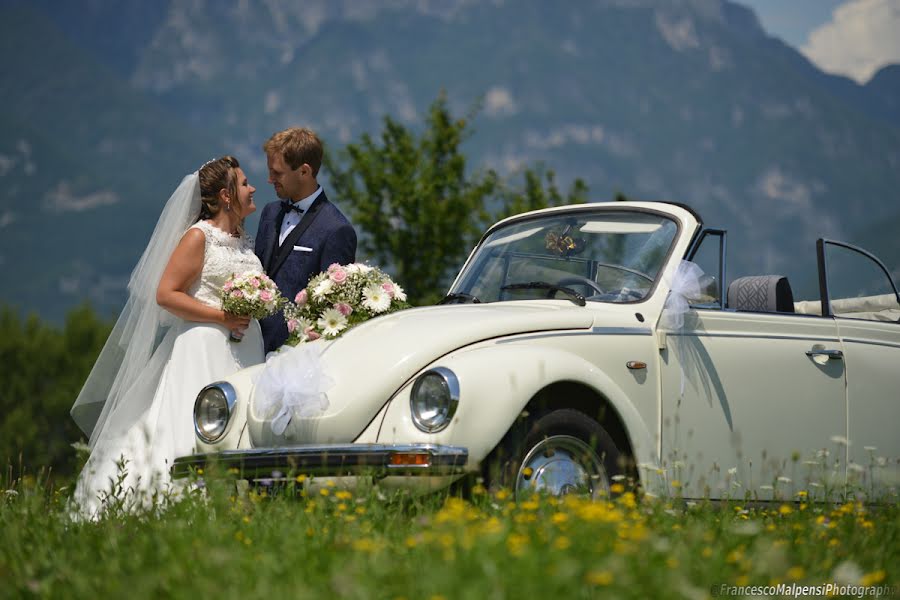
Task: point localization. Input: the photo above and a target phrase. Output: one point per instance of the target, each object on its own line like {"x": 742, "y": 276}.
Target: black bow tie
{"x": 288, "y": 206}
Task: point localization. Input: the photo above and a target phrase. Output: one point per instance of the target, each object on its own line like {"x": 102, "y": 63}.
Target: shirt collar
{"x": 307, "y": 202}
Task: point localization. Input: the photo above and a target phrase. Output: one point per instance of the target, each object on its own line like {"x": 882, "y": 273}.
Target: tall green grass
{"x": 366, "y": 543}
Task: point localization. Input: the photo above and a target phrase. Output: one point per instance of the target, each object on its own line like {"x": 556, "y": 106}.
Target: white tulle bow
{"x": 685, "y": 287}
{"x": 293, "y": 384}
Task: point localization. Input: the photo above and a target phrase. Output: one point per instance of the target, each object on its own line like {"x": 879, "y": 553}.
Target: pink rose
{"x": 237, "y": 294}
{"x": 292, "y": 325}
{"x": 343, "y": 308}
{"x": 338, "y": 275}
{"x": 333, "y": 266}
{"x": 255, "y": 282}
{"x": 388, "y": 287}
{"x": 311, "y": 334}
{"x": 265, "y": 295}
{"x": 300, "y": 298}
{"x": 228, "y": 285}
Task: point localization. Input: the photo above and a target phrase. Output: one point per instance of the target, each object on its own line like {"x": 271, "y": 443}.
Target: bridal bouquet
{"x": 339, "y": 298}
{"x": 252, "y": 294}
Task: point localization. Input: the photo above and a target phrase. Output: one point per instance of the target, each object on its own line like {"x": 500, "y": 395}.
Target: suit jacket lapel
{"x": 288, "y": 246}
{"x": 272, "y": 250}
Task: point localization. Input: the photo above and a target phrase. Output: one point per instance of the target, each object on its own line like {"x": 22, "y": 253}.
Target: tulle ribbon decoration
{"x": 293, "y": 384}
{"x": 685, "y": 287}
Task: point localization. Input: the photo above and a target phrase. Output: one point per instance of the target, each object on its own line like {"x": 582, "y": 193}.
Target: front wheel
{"x": 564, "y": 452}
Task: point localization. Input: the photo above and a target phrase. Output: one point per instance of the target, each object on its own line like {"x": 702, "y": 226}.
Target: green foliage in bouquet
{"x": 339, "y": 298}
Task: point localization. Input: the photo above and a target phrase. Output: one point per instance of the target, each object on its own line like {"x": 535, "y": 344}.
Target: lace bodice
{"x": 225, "y": 256}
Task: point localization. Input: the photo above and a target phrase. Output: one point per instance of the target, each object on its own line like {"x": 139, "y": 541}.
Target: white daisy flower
{"x": 783, "y": 479}
{"x": 376, "y": 299}
{"x": 323, "y": 288}
{"x": 399, "y": 294}
{"x": 332, "y": 322}
{"x": 841, "y": 440}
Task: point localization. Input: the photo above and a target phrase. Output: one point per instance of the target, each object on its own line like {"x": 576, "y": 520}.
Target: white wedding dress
{"x": 201, "y": 353}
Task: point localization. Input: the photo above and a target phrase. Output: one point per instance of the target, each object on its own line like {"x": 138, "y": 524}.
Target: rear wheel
{"x": 563, "y": 452}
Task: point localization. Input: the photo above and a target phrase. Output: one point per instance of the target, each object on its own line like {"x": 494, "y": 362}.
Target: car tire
{"x": 562, "y": 452}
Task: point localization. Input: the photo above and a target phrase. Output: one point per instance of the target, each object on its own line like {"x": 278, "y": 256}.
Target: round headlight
{"x": 212, "y": 410}
{"x": 434, "y": 398}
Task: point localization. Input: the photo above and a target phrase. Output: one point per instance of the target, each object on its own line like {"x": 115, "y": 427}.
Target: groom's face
{"x": 288, "y": 183}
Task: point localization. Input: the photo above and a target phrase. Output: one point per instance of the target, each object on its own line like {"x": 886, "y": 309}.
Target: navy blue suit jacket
{"x": 323, "y": 236}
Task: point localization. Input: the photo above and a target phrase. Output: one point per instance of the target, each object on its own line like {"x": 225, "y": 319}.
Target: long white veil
{"x": 124, "y": 378}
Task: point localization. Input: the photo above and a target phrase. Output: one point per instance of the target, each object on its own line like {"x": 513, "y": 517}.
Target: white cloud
{"x": 863, "y": 36}
{"x": 499, "y": 102}
{"x": 272, "y": 102}
{"x": 62, "y": 199}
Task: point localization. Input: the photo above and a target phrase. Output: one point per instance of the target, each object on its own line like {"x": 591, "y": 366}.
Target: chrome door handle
{"x": 829, "y": 354}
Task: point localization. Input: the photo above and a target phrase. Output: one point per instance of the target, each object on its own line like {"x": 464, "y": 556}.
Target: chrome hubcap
{"x": 561, "y": 465}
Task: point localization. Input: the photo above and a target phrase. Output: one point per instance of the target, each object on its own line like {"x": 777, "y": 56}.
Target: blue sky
{"x": 846, "y": 37}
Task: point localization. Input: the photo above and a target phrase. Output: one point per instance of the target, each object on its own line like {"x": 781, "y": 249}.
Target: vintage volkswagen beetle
{"x": 574, "y": 348}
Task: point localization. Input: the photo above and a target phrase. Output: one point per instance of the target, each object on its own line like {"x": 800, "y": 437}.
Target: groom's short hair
{"x": 297, "y": 145}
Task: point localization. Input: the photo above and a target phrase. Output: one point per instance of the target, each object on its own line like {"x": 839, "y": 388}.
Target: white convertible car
{"x": 581, "y": 344}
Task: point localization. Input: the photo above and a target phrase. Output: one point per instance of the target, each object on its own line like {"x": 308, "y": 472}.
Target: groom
{"x": 304, "y": 233}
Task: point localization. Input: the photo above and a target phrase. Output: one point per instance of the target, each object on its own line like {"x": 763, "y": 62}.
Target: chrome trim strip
{"x": 326, "y": 460}
{"x": 593, "y": 331}
{"x": 622, "y": 331}
{"x": 872, "y": 342}
{"x": 753, "y": 336}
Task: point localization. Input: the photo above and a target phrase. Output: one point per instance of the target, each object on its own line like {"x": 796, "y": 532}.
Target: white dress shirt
{"x": 292, "y": 219}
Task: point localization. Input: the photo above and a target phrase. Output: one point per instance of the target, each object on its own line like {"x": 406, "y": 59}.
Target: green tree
{"x": 43, "y": 370}
{"x": 419, "y": 211}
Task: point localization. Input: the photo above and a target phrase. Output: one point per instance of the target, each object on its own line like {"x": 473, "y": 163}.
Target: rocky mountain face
{"x": 108, "y": 103}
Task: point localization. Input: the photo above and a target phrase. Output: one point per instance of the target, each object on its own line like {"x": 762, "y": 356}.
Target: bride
{"x": 171, "y": 339}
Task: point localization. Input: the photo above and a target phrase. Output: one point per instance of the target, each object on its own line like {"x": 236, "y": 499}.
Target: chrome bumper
{"x": 336, "y": 460}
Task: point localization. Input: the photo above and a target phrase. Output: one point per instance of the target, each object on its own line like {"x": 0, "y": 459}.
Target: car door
{"x": 864, "y": 302}
{"x": 749, "y": 400}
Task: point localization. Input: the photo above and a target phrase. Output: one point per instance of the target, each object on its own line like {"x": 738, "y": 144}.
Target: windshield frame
{"x": 614, "y": 207}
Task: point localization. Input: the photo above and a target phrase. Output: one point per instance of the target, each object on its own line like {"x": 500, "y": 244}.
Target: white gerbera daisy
{"x": 376, "y": 299}
{"x": 399, "y": 294}
{"x": 323, "y": 288}
{"x": 332, "y": 322}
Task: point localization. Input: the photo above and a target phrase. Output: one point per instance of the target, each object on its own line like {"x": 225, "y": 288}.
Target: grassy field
{"x": 363, "y": 543}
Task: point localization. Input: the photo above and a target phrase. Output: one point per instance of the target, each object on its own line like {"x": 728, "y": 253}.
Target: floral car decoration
{"x": 339, "y": 298}
{"x": 579, "y": 346}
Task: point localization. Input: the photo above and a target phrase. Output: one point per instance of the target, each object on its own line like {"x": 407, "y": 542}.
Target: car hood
{"x": 375, "y": 359}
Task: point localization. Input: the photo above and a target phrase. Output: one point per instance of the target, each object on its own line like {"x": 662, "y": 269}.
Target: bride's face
{"x": 245, "y": 193}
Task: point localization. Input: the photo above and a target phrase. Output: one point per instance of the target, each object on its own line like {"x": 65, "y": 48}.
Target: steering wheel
{"x": 578, "y": 280}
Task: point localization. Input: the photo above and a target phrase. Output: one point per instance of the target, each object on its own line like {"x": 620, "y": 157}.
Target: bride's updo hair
{"x": 216, "y": 175}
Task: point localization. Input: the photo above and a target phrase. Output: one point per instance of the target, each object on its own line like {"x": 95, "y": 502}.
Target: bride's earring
{"x": 227, "y": 206}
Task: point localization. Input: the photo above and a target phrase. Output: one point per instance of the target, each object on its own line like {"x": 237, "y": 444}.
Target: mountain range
{"x": 108, "y": 103}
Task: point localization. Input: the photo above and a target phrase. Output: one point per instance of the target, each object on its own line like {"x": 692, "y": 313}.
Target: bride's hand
{"x": 236, "y": 323}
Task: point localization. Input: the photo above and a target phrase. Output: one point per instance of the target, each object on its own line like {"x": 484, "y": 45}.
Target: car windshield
{"x": 603, "y": 256}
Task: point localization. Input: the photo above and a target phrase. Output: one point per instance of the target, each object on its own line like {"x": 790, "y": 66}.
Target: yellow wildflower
{"x": 561, "y": 543}
{"x": 873, "y": 578}
{"x": 324, "y": 491}
{"x": 301, "y": 478}
{"x": 796, "y": 573}
{"x": 599, "y": 578}
{"x": 785, "y": 509}
{"x": 343, "y": 495}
